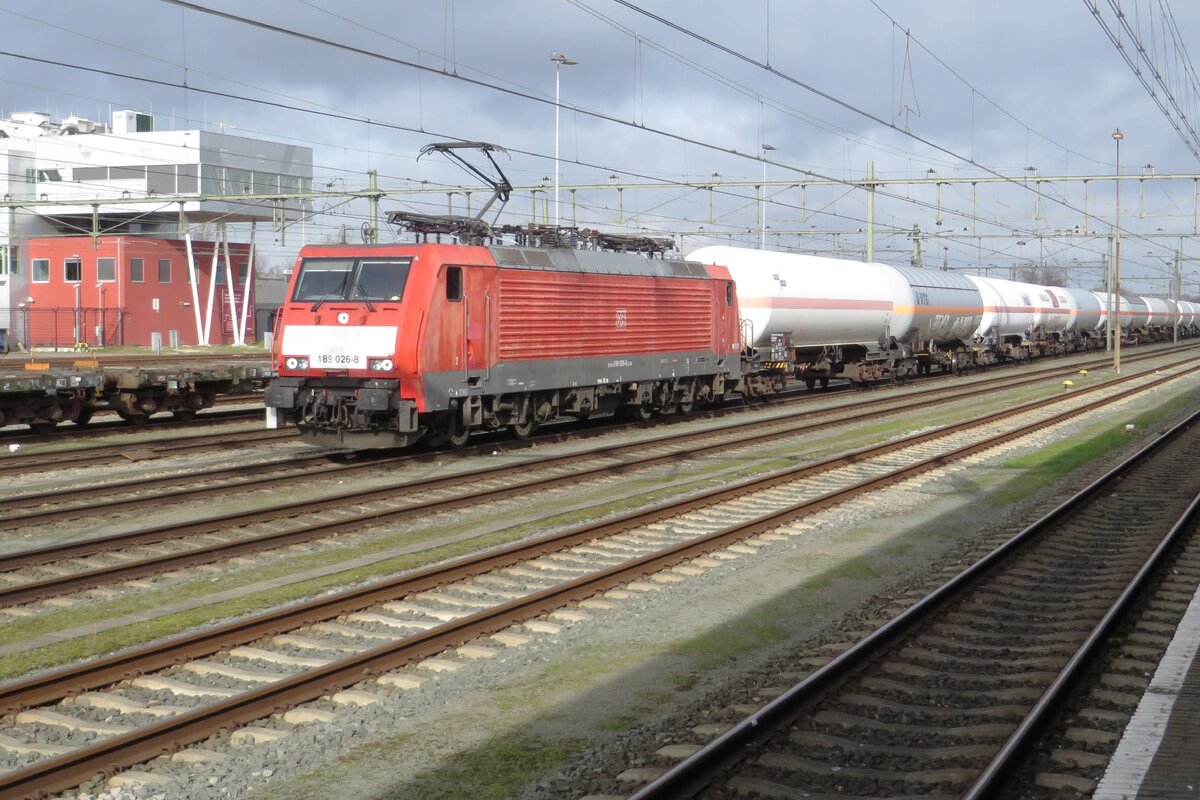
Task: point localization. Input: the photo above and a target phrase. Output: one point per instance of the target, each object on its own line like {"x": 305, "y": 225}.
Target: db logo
{"x": 622, "y": 318}
{"x": 344, "y": 317}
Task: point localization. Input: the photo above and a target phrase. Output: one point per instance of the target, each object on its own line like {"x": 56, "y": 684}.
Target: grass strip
{"x": 1052, "y": 462}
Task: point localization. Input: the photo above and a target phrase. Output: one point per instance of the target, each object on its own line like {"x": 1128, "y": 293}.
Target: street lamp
{"x": 26, "y": 310}
{"x": 762, "y": 199}
{"x": 560, "y": 61}
{"x": 1117, "y": 137}
{"x": 100, "y": 327}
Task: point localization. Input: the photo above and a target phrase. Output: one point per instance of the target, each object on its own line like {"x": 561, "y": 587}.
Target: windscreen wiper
{"x": 357, "y": 287}
{"x": 329, "y": 296}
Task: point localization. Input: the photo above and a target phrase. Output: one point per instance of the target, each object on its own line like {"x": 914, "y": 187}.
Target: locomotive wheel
{"x": 638, "y": 413}
{"x": 527, "y": 422}
{"x": 457, "y": 434}
{"x": 686, "y": 406}
{"x": 43, "y": 428}
{"x": 526, "y": 428}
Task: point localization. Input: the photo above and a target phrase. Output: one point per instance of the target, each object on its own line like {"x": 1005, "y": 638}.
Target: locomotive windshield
{"x": 323, "y": 279}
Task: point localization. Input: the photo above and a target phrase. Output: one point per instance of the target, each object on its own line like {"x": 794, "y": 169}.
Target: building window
{"x": 41, "y": 270}
{"x": 10, "y": 263}
{"x": 164, "y": 270}
{"x": 106, "y": 270}
{"x": 72, "y": 270}
{"x": 137, "y": 270}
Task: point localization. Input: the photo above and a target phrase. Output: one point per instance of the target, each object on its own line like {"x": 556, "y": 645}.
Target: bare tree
{"x": 1043, "y": 275}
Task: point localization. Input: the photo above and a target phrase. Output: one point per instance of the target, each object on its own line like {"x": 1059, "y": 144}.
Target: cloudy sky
{"x": 670, "y": 92}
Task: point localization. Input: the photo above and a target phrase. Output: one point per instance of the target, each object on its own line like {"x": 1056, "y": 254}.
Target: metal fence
{"x": 66, "y": 327}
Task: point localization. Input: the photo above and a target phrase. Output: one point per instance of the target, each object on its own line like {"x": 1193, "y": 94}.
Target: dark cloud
{"x": 1047, "y": 64}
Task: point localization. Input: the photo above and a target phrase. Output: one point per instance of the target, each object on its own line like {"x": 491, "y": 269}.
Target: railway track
{"x": 112, "y": 426}
{"x": 102, "y": 454}
{"x": 373, "y": 637}
{"x": 122, "y": 495}
{"x": 946, "y": 698}
{"x": 32, "y": 575}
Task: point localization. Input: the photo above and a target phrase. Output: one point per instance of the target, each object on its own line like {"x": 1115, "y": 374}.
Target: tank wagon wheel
{"x": 136, "y": 420}
{"x": 43, "y": 428}
{"x": 824, "y": 382}
{"x": 184, "y": 414}
{"x": 85, "y": 416}
{"x": 810, "y": 383}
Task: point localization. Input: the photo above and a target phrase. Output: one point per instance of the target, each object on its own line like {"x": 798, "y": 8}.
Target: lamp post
{"x": 560, "y": 61}
{"x": 1117, "y": 137}
{"x": 100, "y": 327}
{"x": 762, "y": 199}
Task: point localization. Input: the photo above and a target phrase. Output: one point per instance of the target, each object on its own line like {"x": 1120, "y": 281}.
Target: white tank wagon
{"x": 1089, "y": 316}
{"x": 1132, "y": 313}
{"x": 1135, "y": 314}
{"x": 1188, "y": 313}
{"x": 1024, "y": 319}
{"x": 1160, "y": 320}
{"x": 848, "y": 319}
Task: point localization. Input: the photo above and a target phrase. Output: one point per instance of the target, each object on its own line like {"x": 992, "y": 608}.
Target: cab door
{"x": 477, "y": 304}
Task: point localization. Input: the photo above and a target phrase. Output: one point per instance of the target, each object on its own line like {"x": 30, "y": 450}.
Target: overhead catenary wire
{"x": 459, "y": 77}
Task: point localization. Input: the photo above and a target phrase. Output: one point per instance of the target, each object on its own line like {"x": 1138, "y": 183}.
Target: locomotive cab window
{"x": 454, "y": 284}
{"x": 728, "y": 293}
{"x": 349, "y": 279}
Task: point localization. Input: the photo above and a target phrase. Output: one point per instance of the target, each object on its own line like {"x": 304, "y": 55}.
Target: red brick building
{"x": 120, "y": 290}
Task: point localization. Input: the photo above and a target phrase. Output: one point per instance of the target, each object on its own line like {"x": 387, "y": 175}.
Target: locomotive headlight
{"x": 292, "y": 362}
{"x": 380, "y": 364}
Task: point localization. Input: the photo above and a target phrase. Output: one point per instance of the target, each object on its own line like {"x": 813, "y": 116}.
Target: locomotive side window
{"x": 454, "y": 284}
{"x": 728, "y": 293}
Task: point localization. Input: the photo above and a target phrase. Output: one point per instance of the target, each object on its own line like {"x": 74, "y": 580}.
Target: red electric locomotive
{"x": 385, "y": 345}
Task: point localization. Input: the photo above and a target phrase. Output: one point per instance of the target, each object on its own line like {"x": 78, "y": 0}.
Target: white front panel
{"x": 337, "y": 346}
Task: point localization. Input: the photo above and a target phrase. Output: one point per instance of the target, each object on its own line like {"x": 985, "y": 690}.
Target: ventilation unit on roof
{"x": 132, "y": 122}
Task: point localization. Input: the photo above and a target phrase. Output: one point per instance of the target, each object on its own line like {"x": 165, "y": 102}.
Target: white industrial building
{"x": 126, "y": 180}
